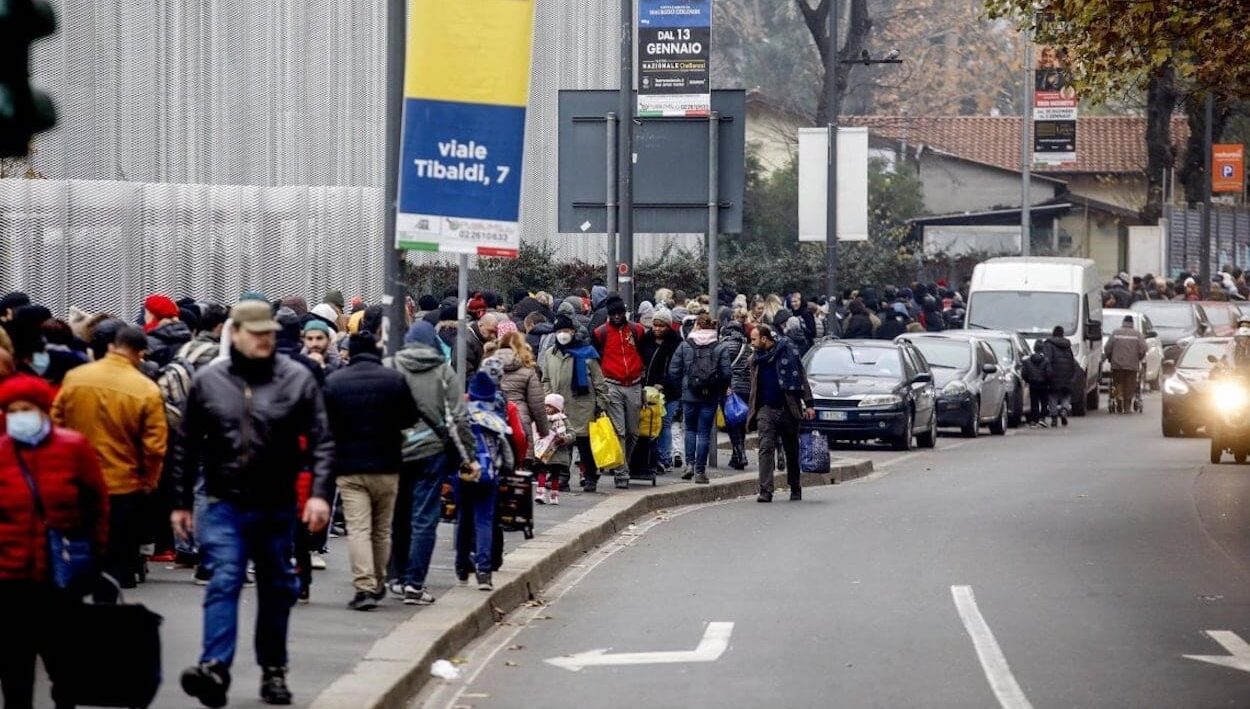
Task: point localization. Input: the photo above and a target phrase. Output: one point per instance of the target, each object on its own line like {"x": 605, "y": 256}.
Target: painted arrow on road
{"x": 714, "y": 643}
{"x": 1239, "y": 651}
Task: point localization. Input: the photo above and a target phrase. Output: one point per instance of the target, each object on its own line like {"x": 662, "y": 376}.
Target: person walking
{"x": 432, "y": 448}
{"x": 1126, "y": 348}
{"x": 734, "y": 339}
{"x": 477, "y": 486}
{"x": 244, "y": 423}
{"x": 121, "y": 413}
{"x": 1035, "y": 371}
{"x": 369, "y": 407}
{"x": 1058, "y": 351}
{"x": 572, "y": 370}
{"x": 521, "y": 384}
{"x": 780, "y": 399}
{"x": 617, "y": 343}
{"x": 657, "y": 347}
{"x": 49, "y": 479}
{"x": 704, "y": 366}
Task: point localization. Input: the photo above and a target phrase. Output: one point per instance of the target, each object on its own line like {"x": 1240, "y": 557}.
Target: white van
{"x": 1033, "y": 295}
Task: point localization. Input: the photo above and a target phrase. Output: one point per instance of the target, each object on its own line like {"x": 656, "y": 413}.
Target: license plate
{"x": 832, "y": 415}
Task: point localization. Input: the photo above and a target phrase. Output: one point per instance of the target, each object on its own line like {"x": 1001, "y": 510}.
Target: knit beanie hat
{"x": 423, "y": 333}
{"x": 427, "y": 302}
{"x": 504, "y": 328}
{"x": 493, "y": 367}
{"x": 482, "y": 388}
{"x": 555, "y": 401}
{"x": 663, "y": 315}
{"x": 564, "y": 322}
{"x": 334, "y": 297}
{"x": 26, "y": 387}
{"x": 320, "y": 325}
{"x": 615, "y": 306}
{"x": 327, "y": 313}
{"x": 161, "y": 306}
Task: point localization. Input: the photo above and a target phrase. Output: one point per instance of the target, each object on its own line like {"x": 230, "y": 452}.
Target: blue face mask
{"x": 28, "y": 427}
{"x": 39, "y": 362}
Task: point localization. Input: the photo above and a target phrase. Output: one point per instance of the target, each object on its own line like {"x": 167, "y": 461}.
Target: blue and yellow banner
{"x": 466, "y": 86}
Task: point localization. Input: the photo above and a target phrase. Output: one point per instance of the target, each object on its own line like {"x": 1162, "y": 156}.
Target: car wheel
{"x": 1017, "y": 409}
{"x": 973, "y": 426}
{"x": 928, "y": 439}
{"x": 903, "y": 442}
{"x": 998, "y": 426}
{"x": 1217, "y": 452}
{"x": 1171, "y": 429}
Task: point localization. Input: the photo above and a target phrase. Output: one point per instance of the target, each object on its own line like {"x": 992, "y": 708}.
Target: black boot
{"x": 207, "y": 682}
{"x": 273, "y": 689}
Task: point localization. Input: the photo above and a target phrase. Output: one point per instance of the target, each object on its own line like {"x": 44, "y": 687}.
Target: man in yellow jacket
{"x": 121, "y": 412}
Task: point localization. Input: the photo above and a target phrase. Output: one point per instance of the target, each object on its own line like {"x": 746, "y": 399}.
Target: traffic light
{"x": 23, "y": 110}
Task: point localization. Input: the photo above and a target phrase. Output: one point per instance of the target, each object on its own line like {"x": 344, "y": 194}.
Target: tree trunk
{"x": 857, "y": 28}
{"x": 1192, "y": 174}
{"x": 1160, "y": 103}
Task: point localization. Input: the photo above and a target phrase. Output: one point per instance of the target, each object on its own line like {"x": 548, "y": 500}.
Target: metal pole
{"x": 831, "y": 176}
{"x": 713, "y": 232}
{"x": 1026, "y": 167}
{"x": 1204, "y": 250}
{"x": 394, "y": 323}
{"x": 462, "y": 327}
{"x": 625, "y": 161}
{"x": 610, "y": 200}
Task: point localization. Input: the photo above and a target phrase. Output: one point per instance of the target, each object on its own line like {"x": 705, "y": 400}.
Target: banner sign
{"x": 1054, "y": 105}
{"x": 674, "y": 44}
{"x": 466, "y": 86}
{"x": 1228, "y": 167}
{"x": 852, "y": 212}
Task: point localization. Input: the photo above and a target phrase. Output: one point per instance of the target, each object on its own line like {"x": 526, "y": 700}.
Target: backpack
{"x": 489, "y": 433}
{"x": 704, "y": 376}
{"x": 174, "y": 381}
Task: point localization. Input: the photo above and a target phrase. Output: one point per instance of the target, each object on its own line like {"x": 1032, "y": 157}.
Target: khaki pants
{"x": 1124, "y": 387}
{"x": 368, "y": 508}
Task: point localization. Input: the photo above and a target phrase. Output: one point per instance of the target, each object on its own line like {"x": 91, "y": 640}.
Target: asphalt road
{"x": 1050, "y": 568}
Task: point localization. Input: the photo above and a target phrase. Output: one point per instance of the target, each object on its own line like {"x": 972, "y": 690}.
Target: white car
{"x": 1112, "y": 318}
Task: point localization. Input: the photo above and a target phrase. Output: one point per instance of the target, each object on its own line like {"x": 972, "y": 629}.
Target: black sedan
{"x": 970, "y": 390}
{"x": 870, "y": 389}
{"x": 1185, "y": 385}
{"x": 1177, "y": 322}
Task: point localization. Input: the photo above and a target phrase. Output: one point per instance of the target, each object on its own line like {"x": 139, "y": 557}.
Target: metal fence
{"x": 1230, "y": 237}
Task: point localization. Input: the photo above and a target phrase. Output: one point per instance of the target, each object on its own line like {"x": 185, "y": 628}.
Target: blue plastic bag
{"x": 735, "y": 411}
{"x": 813, "y": 453}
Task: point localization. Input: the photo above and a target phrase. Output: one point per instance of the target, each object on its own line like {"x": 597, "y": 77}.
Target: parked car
{"x": 970, "y": 390}
{"x": 871, "y": 389}
{"x": 1112, "y": 318}
{"x": 1185, "y": 382}
{"x": 1222, "y": 315}
{"x": 1177, "y": 322}
{"x": 1010, "y": 348}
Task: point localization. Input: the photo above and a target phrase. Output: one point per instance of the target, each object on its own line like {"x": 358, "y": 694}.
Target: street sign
{"x": 1228, "y": 171}
{"x": 714, "y": 643}
{"x": 466, "y": 86}
{"x": 1054, "y": 103}
{"x": 674, "y": 46}
{"x": 852, "y": 183}
{"x": 1238, "y": 656}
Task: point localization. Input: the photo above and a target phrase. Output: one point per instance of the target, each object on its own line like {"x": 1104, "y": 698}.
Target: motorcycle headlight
{"x": 880, "y": 400}
{"x": 955, "y": 388}
{"x": 1175, "y": 386}
{"x": 1229, "y": 396}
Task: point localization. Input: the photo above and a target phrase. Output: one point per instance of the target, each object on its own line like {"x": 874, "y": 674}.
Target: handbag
{"x": 605, "y": 446}
{"x": 735, "y": 410}
{"x": 71, "y": 560}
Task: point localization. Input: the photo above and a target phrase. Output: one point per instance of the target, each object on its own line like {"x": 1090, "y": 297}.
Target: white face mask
{"x": 564, "y": 338}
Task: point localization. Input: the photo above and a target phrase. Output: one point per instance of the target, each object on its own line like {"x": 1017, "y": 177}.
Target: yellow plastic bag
{"x": 651, "y": 421}
{"x": 605, "y": 446}
{"x": 720, "y": 419}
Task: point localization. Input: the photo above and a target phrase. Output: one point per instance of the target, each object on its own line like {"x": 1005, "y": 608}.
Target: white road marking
{"x": 1004, "y": 684}
{"x": 1239, "y": 651}
{"x": 714, "y": 644}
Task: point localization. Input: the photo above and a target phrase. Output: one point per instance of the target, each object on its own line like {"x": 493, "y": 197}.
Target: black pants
{"x": 778, "y": 430}
{"x": 1038, "y": 397}
{"x": 587, "y": 457}
{"x": 29, "y": 614}
{"x": 128, "y": 523}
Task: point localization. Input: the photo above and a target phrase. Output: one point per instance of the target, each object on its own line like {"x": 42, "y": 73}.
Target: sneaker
{"x": 318, "y": 562}
{"x": 462, "y": 578}
{"x": 207, "y": 682}
{"x": 688, "y": 475}
{"x": 796, "y": 495}
{"x": 701, "y": 479}
{"x": 380, "y": 594}
{"x": 273, "y": 689}
{"x": 622, "y": 480}
{"x": 417, "y": 596}
{"x": 553, "y": 497}
{"x": 540, "y": 495}
{"x": 483, "y": 582}
{"x": 362, "y": 601}
{"x": 202, "y": 575}
{"x": 765, "y": 497}
{"x": 1041, "y": 423}
{"x": 677, "y": 461}
{"x": 165, "y": 557}
{"x": 397, "y": 588}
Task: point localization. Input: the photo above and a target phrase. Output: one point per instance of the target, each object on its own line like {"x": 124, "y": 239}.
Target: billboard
{"x": 674, "y": 46}
{"x": 1228, "y": 167}
{"x": 1054, "y": 104}
{"x": 466, "y": 87}
{"x": 852, "y": 183}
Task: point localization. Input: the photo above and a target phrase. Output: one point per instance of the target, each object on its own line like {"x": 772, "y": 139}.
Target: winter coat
{"x": 534, "y": 338}
{"x": 656, "y": 356}
{"x": 74, "y": 496}
{"x": 201, "y": 350}
{"x": 165, "y": 341}
{"x": 245, "y": 435}
{"x": 1126, "y": 348}
{"x": 1058, "y": 351}
{"x": 740, "y": 351}
{"x": 368, "y": 407}
{"x": 1035, "y": 370}
{"x": 558, "y": 377}
{"x": 436, "y": 391}
{"x": 858, "y": 327}
{"x": 684, "y": 360}
{"x": 524, "y": 387}
{"x": 891, "y": 328}
{"x": 531, "y": 305}
{"x": 796, "y": 399}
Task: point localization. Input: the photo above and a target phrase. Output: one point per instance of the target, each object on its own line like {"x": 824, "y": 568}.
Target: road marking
{"x": 714, "y": 644}
{"x": 1004, "y": 684}
{"x": 1239, "y": 651}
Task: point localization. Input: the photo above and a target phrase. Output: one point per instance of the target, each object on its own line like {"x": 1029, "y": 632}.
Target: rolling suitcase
{"x": 111, "y": 656}
{"x": 643, "y": 464}
{"x": 514, "y": 506}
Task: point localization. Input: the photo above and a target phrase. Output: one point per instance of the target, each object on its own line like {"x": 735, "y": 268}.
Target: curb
{"x": 397, "y": 666}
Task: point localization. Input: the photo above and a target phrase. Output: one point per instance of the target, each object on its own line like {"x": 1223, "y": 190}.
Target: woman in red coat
{"x": 74, "y": 497}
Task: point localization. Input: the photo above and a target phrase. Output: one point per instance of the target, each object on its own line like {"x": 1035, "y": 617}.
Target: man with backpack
{"x": 617, "y": 341}
{"x": 704, "y": 367}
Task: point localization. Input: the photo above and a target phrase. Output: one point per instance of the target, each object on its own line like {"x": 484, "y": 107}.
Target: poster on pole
{"x": 1054, "y": 103}
{"x": 1228, "y": 167}
{"x": 852, "y": 183}
{"x": 466, "y": 87}
{"x": 674, "y": 46}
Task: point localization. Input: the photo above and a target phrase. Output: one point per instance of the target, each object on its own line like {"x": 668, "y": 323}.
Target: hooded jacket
{"x": 1058, "y": 351}
{"x": 165, "y": 341}
{"x": 684, "y": 360}
{"x": 734, "y": 339}
{"x": 656, "y": 356}
{"x": 436, "y": 391}
{"x": 523, "y": 387}
{"x": 1035, "y": 370}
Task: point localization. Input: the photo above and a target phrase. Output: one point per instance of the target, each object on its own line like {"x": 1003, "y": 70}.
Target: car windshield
{"x": 1195, "y": 356}
{"x": 1002, "y": 351}
{"x": 1219, "y": 315}
{"x": 841, "y": 361}
{"x": 1022, "y": 311}
{"x": 1177, "y": 315}
{"x": 944, "y": 354}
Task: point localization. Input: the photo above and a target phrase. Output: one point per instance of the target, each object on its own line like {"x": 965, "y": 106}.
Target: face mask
{"x": 29, "y": 427}
{"x": 564, "y": 338}
{"x": 39, "y": 362}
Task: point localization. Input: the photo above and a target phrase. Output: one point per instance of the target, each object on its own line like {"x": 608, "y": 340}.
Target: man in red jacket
{"x": 617, "y": 341}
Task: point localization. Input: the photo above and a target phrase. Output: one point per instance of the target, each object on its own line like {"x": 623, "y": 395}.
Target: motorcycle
{"x": 1229, "y": 420}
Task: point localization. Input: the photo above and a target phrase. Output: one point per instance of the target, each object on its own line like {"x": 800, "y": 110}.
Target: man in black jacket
{"x": 657, "y": 346}
{"x": 369, "y": 406}
{"x": 1058, "y": 351}
{"x": 244, "y": 421}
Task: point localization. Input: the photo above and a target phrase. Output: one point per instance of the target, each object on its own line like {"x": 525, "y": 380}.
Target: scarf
{"x": 786, "y": 359}
{"x": 580, "y": 353}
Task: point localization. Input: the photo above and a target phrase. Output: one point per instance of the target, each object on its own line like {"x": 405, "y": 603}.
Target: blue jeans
{"x": 664, "y": 444}
{"x": 475, "y": 521}
{"x": 229, "y": 536}
{"x": 700, "y": 420}
{"x": 422, "y": 484}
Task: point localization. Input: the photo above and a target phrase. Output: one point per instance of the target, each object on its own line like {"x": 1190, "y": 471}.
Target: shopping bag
{"x": 110, "y": 655}
{"x": 720, "y": 418}
{"x": 735, "y": 410}
{"x": 651, "y": 421}
{"x": 605, "y": 446}
{"x": 546, "y": 447}
{"x": 813, "y": 453}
